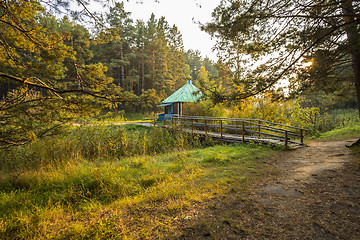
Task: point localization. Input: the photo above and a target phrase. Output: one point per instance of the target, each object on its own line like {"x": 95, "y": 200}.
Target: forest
{"x": 70, "y": 77}
{"x": 122, "y": 65}
{"x": 55, "y": 70}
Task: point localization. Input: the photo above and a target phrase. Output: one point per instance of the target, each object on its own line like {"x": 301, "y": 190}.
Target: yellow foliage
{"x": 205, "y": 108}
{"x": 261, "y": 107}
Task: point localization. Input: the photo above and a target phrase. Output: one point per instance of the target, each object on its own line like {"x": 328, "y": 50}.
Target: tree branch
{"x": 60, "y": 92}
{"x": 8, "y": 142}
{"x": 295, "y": 61}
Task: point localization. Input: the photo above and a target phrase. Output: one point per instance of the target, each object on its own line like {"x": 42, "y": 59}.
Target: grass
{"x": 117, "y": 196}
{"x": 121, "y": 182}
{"x": 93, "y": 143}
{"x": 122, "y": 117}
{"x": 344, "y": 132}
{"x": 337, "y": 120}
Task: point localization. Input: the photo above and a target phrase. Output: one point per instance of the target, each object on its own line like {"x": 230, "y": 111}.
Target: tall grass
{"x": 122, "y": 116}
{"x": 94, "y": 143}
{"x": 320, "y": 122}
{"x": 111, "y": 182}
{"x": 342, "y": 132}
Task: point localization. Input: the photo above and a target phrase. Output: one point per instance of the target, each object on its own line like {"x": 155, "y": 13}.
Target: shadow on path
{"x": 314, "y": 193}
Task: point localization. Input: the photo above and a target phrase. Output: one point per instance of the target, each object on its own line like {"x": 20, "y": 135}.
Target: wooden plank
{"x": 215, "y": 126}
{"x": 221, "y": 129}
{"x": 256, "y": 121}
{"x": 205, "y": 127}
{"x": 230, "y": 137}
{"x": 192, "y": 126}
{"x": 263, "y": 131}
{"x": 263, "y": 127}
{"x": 236, "y": 127}
{"x": 253, "y": 121}
{"x": 267, "y": 134}
{"x": 243, "y": 132}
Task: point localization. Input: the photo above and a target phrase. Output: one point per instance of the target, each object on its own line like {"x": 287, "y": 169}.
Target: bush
{"x": 319, "y": 122}
{"x": 205, "y": 108}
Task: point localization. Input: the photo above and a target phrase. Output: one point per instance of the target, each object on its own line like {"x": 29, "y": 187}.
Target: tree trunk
{"x": 356, "y": 69}
{"x": 122, "y": 77}
{"x": 353, "y": 40}
{"x": 153, "y": 70}
{"x": 139, "y": 83}
{"x": 142, "y": 71}
{"x": 131, "y": 79}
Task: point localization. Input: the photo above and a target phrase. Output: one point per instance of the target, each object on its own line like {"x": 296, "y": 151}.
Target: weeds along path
{"x": 314, "y": 193}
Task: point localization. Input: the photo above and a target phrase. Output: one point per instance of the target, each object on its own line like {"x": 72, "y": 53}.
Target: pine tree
{"x": 282, "y": 36}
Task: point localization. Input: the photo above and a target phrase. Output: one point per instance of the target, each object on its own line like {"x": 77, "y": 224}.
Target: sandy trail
{"x": 316, "y": 195}
{"x": 313, "y": 193}
{"x": 301, "y": 167}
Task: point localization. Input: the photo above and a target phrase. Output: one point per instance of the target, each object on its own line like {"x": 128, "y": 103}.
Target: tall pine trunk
{"x": 142, "y": 71}
{"x": 139, "y": 82}
{"x": 153, "y": 69}
{"x": 353, "y": 42}
{"x": 122, "y": 71}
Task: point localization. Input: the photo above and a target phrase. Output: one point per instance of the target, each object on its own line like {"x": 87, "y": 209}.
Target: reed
{"x": 115, "y": 182}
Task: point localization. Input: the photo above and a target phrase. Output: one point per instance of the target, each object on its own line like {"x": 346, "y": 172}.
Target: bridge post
{"x": 243, "y": 132}
{"x": 286, "y": 138}
{"x": 221, "y": 128}
{"x": 260, "y": 128}
{"x": 236, "y": 127}
{"x": 205, "y": 128}
{"x": 181, "y": 123}
{"x": 192, "y": 126}
{"x": 301, "y": 136}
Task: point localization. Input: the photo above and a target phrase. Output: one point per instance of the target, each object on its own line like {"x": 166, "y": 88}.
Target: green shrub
{"x": 342, "y": 132}
{"x": 319, "y": 122}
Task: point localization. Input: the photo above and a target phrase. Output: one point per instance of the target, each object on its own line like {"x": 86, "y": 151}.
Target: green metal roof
{"x": 187, "y": 93}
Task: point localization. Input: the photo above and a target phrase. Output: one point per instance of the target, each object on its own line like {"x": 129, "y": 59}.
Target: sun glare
{"x": 308, "y": 64}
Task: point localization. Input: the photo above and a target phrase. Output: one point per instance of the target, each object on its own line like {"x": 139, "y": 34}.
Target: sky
{"x": 184, "y": 14}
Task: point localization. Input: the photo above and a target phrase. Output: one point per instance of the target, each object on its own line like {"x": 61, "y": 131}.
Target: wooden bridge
{"x": 238, "y": 129}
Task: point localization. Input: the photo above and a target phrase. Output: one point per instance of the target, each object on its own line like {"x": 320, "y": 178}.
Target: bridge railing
{"x": 246, "y": 129}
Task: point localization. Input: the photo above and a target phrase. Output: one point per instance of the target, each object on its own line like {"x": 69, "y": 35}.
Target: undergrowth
{"x": 111, "y": 182}
{"x": 120, "y": 117}
{"x": 94, "y": 143}
{"x": 342, "y": 132}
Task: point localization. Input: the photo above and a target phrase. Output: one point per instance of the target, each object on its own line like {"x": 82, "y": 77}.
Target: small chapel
{"x": 173, "y": 105}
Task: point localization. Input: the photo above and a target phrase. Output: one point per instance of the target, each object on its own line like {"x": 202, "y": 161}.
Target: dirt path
{"x": 314, "y": 195}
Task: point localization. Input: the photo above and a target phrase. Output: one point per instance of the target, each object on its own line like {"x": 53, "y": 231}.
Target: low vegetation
{"x": 120, "y": 117}
{"x": 106, "y": 181}
{"x": 342, "y": 132}
{"x": 116, "y": 182}
{"x": 129, "y": 182}
{"x": 99, "y": 182}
